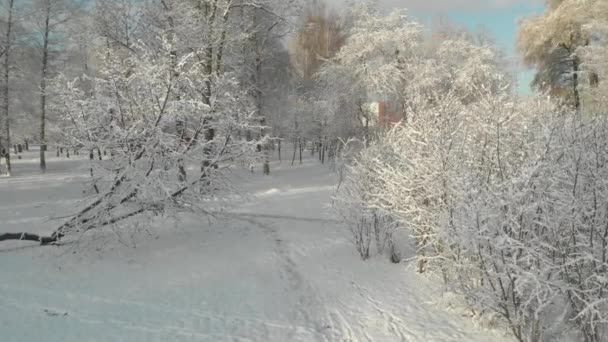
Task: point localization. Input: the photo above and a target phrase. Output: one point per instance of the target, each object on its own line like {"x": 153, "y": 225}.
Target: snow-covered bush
{"x": 539, "y": 245}
{"x": 350, "y": 203}
{"x": 384, "y": 59}
{"x": 507, "y": 204}
{"x": 369, "y": 226}
{"x": 505, "y": 199}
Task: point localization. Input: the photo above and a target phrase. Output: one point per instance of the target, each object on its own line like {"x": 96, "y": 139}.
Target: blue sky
{"x": 501, "y": 23}
{"x": 498, "y": 17}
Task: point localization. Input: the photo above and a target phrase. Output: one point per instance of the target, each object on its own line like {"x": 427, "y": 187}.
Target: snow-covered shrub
{"x": 507, "y": 203}
{"x": 505, "y": 199}
{"x": 350, "y": 204}
{"x": 369, "y": 226}
{"x": 539, "y": 237}
{"x": 384, "y": 57}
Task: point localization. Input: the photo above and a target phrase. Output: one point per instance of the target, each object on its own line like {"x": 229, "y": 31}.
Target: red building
{"x": 388, "y": 114}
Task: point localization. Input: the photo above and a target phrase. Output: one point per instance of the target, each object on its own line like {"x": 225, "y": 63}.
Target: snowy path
{"x": 278, "y": 269}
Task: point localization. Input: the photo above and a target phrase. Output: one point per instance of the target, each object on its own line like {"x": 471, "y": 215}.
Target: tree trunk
{"x": 295, "y": 148}
{"x": 209, "y": 132}
{"x": 45, "y": 58}
{"x": 28, "y": 237}
{"x": 180, "y": 123}
{"x": 266, "y": 164}
{"x": 319, "y": 149}
{"x": 322, "y": 152}
{"x": 5, "y": 107}
{"x": 257, "y": 76}
{"x": 279, "y": 148}
{"x": 577, "y": 96}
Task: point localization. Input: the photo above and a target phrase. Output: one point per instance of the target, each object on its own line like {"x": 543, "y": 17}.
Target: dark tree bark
{"x": 575, "y": 70}
{"x": 44, "y": 74}
{"x": 5, "y": 104}
{"x": 320, "y": 149}
{"x": 322, "y": 152}
{"x": 44, "y": 240}
{"x": 301, "y": 148}
{"x": 295, "y": 148}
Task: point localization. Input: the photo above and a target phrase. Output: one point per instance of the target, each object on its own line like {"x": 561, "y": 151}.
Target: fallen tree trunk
{"x": 84, "y": 220}
{"x": 44, "y": 240}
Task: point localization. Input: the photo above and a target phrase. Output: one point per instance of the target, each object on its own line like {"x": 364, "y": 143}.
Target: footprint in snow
{"x": 54, "y": 313}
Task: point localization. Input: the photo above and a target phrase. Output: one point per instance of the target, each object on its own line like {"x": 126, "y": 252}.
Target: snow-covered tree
{"x": 321, "y": 35}
{"x": 165, "y": 113}
{"x": 263, "y": 62}
{"x": 376, "y": 56}
{"x": 430, "y": 88}
{"x": 388, "y": 58}
{"x": 6, "y": 52}
{"x": 133, "y": 114}
{"x": 50, "y": 16}
{"x": 594, "y": 58}
{"x": 551, "y": 42}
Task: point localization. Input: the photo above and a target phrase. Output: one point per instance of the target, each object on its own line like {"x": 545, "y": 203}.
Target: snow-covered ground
{"x": 275, "y": 269}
